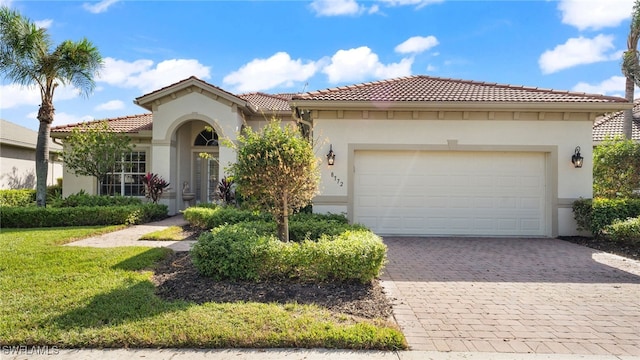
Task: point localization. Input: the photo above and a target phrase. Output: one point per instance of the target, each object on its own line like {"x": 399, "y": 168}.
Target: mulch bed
{"x": 176, "y": 278}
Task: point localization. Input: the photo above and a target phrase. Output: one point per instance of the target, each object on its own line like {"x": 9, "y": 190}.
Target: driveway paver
{"x": 513, "y": 295}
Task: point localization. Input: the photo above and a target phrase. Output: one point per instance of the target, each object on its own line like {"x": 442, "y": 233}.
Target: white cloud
{"x": 264, "y": 74}
{"x": 44, "y": 24}
{"x": 14, "y": 95}
{"x": 612, "y": 85}
{"x": 6, "y": 3}
{"x": 110, "y": 105}
{"x": 578, "y": 51}
{"x": 142, "y": 75}
{"x": 431, "y": 68}
{"x": 361, "y": 63}
{"x": 99, "y": 7}
{"x": 417, "y": 44}
{"x": 63, "y": 118}
{"x": 337, "y": 7}
{"x": 118, "y": 72}
{"x": 595, "y": 14}
{"x": 418, "y": 3}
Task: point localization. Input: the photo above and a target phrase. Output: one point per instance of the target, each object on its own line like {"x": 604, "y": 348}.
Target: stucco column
{"x": 227, "y": 157}
{"x": 162, "y": 163}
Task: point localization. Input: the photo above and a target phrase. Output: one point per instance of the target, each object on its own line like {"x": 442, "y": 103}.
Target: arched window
{"x": 207, "y": 137}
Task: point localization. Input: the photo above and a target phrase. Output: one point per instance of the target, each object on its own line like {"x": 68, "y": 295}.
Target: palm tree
{"x": 631, "y": 67}
{"x": 28, "y": 58}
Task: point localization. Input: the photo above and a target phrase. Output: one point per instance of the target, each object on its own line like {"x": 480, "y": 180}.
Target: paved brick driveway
{"x": 513, "y": 296}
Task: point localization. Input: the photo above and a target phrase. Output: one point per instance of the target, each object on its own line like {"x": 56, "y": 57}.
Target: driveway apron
{"x": 513, "y": 295}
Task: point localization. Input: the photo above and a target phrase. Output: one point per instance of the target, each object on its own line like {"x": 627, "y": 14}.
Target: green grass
{"x": 172, "y": 233}
{"x": 89, "y": 297}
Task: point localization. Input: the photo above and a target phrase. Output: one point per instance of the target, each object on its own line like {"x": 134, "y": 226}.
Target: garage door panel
{"x": 450, "y": 193}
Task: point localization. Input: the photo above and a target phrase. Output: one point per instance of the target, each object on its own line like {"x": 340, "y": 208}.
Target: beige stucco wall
{"x": 558, "y": 138}
{"x": 17, "y": 165}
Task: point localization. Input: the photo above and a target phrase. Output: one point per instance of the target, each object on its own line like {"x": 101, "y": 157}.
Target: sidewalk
{"x": 288, "y": 354}
{"x": 130, "y": 235}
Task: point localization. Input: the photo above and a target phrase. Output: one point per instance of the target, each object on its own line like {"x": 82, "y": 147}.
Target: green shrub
{"x": 303, "y": 216}
{"x": 310, "y": 228}
{"x": 624, "y": 230}
{"x": 17, "y": 197}
{"x": 212, "y": 217}
{"x": 54, "y": 193}
{"x": 616, "y": 168}
{"x": 84, "y": 199}
{"x": 594, "y": 215}
{"x": 31, "y": 217}
{"x": 245, "y": 251}
{"x": 351, "y": 255}
{"x": 231, "y": 252}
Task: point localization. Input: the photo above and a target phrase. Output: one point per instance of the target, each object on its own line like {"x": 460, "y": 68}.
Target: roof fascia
{"x": 146, "y": 101}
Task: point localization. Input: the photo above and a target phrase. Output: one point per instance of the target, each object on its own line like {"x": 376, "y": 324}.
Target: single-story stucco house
{"x": 18, "y": 157}
{"x": 611, "y": 125}
{"x": 415, "y": 155}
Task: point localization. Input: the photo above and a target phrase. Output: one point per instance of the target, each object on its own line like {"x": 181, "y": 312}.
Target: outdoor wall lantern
{"x": 576, "y": 158}
{"x": 331, "y": 156}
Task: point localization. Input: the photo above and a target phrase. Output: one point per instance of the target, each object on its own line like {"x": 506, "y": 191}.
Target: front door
{"x": 205, "y": 177}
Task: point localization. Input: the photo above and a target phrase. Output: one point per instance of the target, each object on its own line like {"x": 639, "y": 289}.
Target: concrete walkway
{"x": 513, "y": 296}
{"x": 130, "y": 235}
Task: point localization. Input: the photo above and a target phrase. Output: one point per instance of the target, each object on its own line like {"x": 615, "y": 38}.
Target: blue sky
{"x": 292, "y": 46}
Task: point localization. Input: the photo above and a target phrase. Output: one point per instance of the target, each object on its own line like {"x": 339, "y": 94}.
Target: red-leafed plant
{"x": 154, "y": 186}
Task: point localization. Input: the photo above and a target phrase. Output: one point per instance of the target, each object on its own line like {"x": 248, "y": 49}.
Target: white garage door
{"x": 450, "y": 193}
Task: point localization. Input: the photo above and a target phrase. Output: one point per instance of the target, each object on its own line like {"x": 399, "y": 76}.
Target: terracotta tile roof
{"x": 426, "y": 88}
{"x": 611, "y": 124}
{"x": 125, "y": 124}
{"x": 268, "y": 102}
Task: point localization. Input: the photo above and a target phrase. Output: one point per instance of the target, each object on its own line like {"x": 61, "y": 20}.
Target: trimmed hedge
{"x": 31, "y": 217}
{"x": 82, "y": 199}
{"x": 625, "y": 230}
{"x": 18, "y": 197}
{"x": 212, "y": 217}
{"x": 243, "y": 252}
{"x": 595, "y": 215}
{"x": 302, "y": 226}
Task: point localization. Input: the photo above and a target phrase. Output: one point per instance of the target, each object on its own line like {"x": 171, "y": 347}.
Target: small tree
{"x": 616, "y": 168}
{"x": 95, "y": 150}
{"x": 276, "y": 171}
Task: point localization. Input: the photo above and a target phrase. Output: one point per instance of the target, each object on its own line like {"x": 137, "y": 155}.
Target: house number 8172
{"x": 338, "y": 181}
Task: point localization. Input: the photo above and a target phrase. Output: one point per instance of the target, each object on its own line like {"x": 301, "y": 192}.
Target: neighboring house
{"x": 415, "y": 155}
{"x": 611, "y": 125}
{"x": 18, "y": 157}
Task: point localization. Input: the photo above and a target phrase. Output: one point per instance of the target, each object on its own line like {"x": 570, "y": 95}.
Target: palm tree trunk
{"x": 45, "y": 116}
{"x": 628, "y": 114}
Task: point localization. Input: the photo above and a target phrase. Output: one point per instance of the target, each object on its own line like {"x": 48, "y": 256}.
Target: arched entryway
{"x": 205, "y": 166}
{"x": 198, "y": 162}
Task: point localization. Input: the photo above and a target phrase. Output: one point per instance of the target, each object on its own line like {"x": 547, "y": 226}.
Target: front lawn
{"x": 88, "y": 297}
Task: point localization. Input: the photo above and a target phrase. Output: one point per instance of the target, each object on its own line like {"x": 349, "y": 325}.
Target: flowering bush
{"x": 154, "y": 186}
